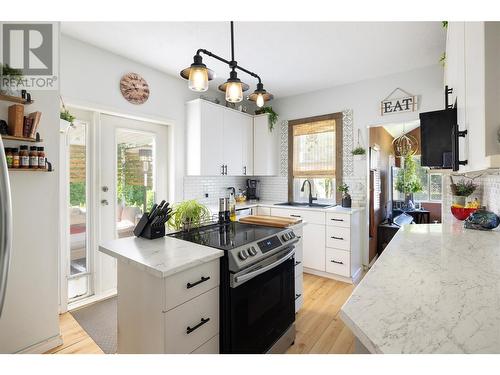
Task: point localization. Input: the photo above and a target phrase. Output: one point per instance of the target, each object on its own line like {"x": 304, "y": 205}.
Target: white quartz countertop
{"x": 161, "y": 257}
{"x": 434, "y": 289}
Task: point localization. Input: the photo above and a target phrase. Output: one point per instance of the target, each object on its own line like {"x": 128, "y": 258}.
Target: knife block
{"x": 144, "y": 229}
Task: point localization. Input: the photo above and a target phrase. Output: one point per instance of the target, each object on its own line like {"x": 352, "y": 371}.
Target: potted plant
{"x": 359, "y": 151}
{"x": 461, "y": 190}
{"x": 407, "y": 181}
{"x": 188, "y": 215}
{"x": 10, "y": 79}
{"x": 273, "y": 116}
{"x": 346, "y": 198}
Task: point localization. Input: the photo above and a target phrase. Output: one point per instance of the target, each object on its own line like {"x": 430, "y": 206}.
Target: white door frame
{"x": 93, "y": 156}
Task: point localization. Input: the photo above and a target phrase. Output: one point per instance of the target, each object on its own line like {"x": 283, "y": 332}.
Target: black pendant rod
{"x": 232, "y": 64}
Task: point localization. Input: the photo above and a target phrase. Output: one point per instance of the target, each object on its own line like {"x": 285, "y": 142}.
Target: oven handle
{"x": 251, "y": 275}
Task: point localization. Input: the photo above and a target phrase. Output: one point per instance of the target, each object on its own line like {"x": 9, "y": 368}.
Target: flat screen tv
{"x": 436, "y": 138}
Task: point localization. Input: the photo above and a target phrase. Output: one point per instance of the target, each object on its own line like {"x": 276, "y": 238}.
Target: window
{"x": 432, "y": 184}
{"x": 314, "y": 146}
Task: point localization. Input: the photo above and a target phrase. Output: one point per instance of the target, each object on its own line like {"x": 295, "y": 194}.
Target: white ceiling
{"x": 290, "y": 57}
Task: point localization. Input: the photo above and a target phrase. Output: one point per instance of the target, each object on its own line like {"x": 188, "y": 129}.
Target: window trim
{"x": 338, "y": 117}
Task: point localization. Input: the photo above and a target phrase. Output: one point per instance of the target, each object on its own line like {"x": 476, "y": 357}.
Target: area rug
{"x": 99, "y": 320}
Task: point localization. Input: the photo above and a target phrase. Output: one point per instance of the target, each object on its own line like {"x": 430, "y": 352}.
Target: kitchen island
{"x": 434, "y": 289}
{"x": 166, "y": 287}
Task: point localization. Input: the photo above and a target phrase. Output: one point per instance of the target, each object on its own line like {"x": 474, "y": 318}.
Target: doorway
{"x": 112, "y": 170}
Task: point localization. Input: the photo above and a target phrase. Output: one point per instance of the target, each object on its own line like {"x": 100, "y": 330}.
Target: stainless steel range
{"x": 257, "y": 291}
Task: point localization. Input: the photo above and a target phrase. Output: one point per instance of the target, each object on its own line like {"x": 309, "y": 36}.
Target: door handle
{"x": 203, "y": 321}
{"x": 104, "y": 202}
{"x": 202, "y": 280}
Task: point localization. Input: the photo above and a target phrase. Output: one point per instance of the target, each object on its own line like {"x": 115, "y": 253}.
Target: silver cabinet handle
{"x": 336, "y": 261}
{"x": 5, "y": 225}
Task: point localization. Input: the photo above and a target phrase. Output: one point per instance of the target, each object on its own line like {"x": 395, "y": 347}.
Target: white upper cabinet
{"x": 265, "y": 147}
{"x": 218, "y": 140}
{"x": 473, "y": 71}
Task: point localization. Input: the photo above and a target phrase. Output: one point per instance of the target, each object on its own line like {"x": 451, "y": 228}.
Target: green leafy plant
{"x": 188, "y": 214}
{"x": 359, "y": 151}
{"x": 343, "y": 188}
{"x": 407, "y": 180}
{"x": 273, "y": 116}
{"x": 66, "y": 115}
{"x": 463, "y": 188}
{"x": 444, "y": 24}
{"x": 442, "y": 59}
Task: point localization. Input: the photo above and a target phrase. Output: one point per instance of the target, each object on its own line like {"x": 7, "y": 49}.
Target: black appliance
{"x": 257, "y": 285}
{"x": 253, "y": 189}
{"x": 436, "y": 138}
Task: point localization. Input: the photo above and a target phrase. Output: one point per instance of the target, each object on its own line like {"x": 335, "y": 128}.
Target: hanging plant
{"x": 65, "y": 113}
{"x": 273, "y": 116}
{"x": 359, "y": 151}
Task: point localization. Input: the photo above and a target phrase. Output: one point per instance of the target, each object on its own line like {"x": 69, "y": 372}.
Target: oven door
{"x": 262, "y": 307}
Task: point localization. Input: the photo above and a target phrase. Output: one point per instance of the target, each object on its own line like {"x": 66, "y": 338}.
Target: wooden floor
{"x": 75, "y": 339}
{"x": 319, "y": 327}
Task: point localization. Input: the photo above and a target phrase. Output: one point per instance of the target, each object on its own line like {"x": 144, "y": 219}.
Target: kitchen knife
{"x": 152, "y": 212}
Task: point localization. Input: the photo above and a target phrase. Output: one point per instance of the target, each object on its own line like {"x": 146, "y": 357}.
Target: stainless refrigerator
{"x": 5, "y": 225}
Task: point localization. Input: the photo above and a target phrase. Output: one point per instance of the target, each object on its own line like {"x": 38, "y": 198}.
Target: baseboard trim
{"x": 44, "y": 346}
{"x": 344, "y": 279}
{"x": 91, "y": 300}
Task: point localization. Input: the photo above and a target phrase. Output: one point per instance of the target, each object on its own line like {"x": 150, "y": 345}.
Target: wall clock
{"x": 134, "y": 88}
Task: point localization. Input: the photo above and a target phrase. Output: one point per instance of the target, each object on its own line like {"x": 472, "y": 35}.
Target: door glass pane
{"x": 135, "y": 191}
{"x": 78, "y": 210}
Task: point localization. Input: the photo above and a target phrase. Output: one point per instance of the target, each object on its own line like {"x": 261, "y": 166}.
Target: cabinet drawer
{"x": 338, "y": 220}
{"x": 263, "y": 211}
{"x": 312, "y": 217}
{"x": 338, "y": 262}
{"x": 338, "y": 237}
{"x": 210, "y": 347}
{"x": 185, "y": 329}
{"x": 299, "y": 267}
{"x": 188, "y": 284}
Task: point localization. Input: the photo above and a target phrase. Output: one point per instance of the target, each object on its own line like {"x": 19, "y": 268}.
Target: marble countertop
{"x": 434, "y": 289}
{"x": 161, "y": 257}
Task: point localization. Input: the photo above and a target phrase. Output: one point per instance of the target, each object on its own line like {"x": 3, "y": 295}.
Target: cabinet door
{"x": 247, "y": 146}
{"x": 233, "y": 142}
{"x": 265, "y": 148}
{"x": 313, "y": 246}
{"x": 210, "y": 139}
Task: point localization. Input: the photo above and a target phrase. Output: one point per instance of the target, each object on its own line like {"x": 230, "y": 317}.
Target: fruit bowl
{"x": 462, "y": 213}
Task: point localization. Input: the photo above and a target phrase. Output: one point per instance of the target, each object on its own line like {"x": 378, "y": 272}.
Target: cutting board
{"x": 270, "y": 221}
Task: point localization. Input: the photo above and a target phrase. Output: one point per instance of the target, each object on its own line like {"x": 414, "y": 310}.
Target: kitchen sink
{"x": 305, "y": 204}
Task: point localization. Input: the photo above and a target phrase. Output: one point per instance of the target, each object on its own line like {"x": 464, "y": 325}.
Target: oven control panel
{"x": 269, "y": 244}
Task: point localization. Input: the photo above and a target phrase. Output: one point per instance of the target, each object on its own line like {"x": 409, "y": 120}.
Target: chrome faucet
{"x": 311, "y": 198}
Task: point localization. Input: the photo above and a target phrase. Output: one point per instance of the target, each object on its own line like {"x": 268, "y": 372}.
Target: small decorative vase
{"x": 459, "y": 200}
{"x": 346, "y": 201}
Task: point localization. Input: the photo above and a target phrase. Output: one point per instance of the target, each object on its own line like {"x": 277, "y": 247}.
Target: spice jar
{"x": 15, "y": 158}
{"x": 41, "y": 158}
{"x": 24, "y": 157}
{"x": 33, "y": 157}
{"x": 8, "y": 156}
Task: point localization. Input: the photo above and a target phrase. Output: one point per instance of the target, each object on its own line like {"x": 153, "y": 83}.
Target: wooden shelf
{"x": 21, "y": 139}
{"x": 29, "y": 170}
{"x": 14, "y": 99}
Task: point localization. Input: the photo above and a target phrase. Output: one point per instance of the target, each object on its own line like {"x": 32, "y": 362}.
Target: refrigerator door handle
{"x": 5, "y": 225}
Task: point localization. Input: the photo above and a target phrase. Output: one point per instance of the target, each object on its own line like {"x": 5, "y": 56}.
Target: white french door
{"x": 133, "y": 175}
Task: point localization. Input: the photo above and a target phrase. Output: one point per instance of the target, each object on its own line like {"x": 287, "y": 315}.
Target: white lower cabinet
{"x": 192, "y": 323}
{"x": 314, "y": 246}
{"x": 331, "y": 241}
{"x": 177, "y": 314}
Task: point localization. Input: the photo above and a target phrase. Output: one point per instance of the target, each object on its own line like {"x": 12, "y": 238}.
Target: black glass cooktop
{"x": 226, "y": 237}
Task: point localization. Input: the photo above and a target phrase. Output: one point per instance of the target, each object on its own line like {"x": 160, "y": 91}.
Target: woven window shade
{"x": 314, "y": 149}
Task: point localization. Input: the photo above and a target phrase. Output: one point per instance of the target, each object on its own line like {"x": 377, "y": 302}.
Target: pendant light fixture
{"x": 198, "y": 76}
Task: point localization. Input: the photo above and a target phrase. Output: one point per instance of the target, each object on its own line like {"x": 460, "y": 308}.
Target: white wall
{"x": 31, "y": 308}
{"x": 90, "y": 78}
{"x": 364, "y": 99}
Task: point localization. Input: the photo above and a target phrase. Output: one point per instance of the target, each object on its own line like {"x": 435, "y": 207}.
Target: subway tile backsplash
{"x": 197, "y": 187}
